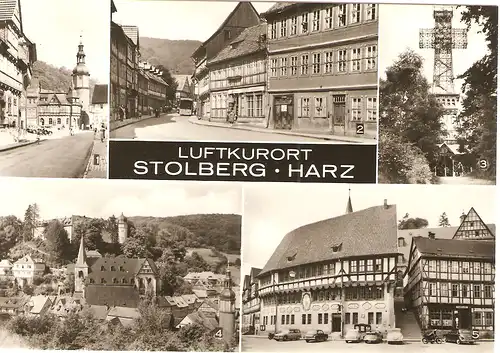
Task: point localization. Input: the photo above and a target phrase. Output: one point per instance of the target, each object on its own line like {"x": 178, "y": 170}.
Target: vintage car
{"x": 394, "y": 336}
{"x": 373, "y": 337}
{"x": 357, "y": 333}
{"x": 291, "y": 334}
{"x": 316, "y": 336}
{"x": 459, "y": 336}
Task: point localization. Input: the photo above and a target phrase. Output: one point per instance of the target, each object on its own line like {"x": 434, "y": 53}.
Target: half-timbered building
{"x": 333, "y": 274}
{"x": 451, "y": 282}
{"x": 251, "y": 303}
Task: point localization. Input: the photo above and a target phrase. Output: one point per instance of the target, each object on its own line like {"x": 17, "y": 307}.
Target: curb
{"x": 342, "y": 340}
{"x": 134, "y": 121}
{"x": 23, "y": 144}
{"x": 281, "y": 132}
{"x": 89, "y": 160}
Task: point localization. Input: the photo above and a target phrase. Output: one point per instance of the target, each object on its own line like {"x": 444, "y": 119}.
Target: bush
{"x": 37, "y": 280}
{"x": 28, "y": 290}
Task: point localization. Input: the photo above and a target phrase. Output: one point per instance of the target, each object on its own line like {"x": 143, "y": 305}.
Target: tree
{"x": 112, "y": 228}
{"x": 443, "y": 220}
{"x": 410, "y": 119}
{"x": 477, "y": 121}
{"x": 172, "y": 85}
{"x": 57, "y": 242}
{"x": 31, "y": 218}
{"x": 237, "y": 262}
{"x": 412, "y": 223}
{"x": 10, "y": 229}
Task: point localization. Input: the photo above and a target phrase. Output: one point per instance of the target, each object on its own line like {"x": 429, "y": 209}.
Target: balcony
{"x": 9, "y": 83}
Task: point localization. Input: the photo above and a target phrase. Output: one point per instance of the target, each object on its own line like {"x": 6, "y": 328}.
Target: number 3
{"x": 483, "y": 164}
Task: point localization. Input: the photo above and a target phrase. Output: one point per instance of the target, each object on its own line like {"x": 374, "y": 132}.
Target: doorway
{"x": 336, "y": 323}
{"x": 339, "y": 117}
{"x": 283, "y": 112}
{"x": 464, "y": 319}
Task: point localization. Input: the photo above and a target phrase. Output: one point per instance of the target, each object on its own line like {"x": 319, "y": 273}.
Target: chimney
{"x": 386, "y": 206}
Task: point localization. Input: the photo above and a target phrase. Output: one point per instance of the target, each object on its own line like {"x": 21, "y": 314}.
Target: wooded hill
{"x": 175, "y": 55}
{"x": 53, "y": 78}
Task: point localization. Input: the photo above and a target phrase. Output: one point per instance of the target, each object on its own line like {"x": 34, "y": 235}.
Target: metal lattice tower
{"x": 443, "y": 39}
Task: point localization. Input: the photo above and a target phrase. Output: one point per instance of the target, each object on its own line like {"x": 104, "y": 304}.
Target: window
{"x": 432, "y": 265}
{"x": 283, "y": 66}
{"x": 477, "y": 268}
{"x": 304, "y": 64}
{"x": 293, "y": 25}
{"x": 347, "y": 319}
{"x": 303, "y": 319}
{"x": 444, "y": 266}
{"x": 356, "y": 59}
{"x": 370, "y": 318}
{"x": 329, "y": 18}
{"x": 103, "y": 281}
{"x": 477, "y": 291}
{"x": 488, "y": 293}
{"x": 354, "y": 318}
{"x": 258, "y": 110}
{"x": 102, "y": 268}
{"x": 309, "y": 319}
{"x": 341, "y": 22}
{"x": 124, "y": 280}
{"x": 378, "y": 318}
{"x": 319, "y": 107}
{"x": 328, "y": 62}
{"x": 91, "y": 280}
{"x": 371, "y": 57}
{"x": 487, "y": 268}
{"x": 465, "y": 290}
{"x": 488, "y": 318}
{"x": 444, "y": 289}
{"x": 316, "y": 17}
{"x": 274, "y": 67}
{"x": 477, "y": 319}
{"x": 288, "y": 319}
{"x": 304, "y": 108}
{"x": 369, "y": 265}
{"x": 354, "y": 267}
{"x": 274, "y": 30}
{"x": 454, "y": 290}
{"x": 361, "y": 266}
{"x": 454, "y": 266}
{"x": 401, "y": 240}
{"x": 227, "y": 34}
{"x": 250, "y": 105}
{"x": 432, "y": 288}
{"x": 305, "y": 23}
{"x": 115, "y": 280}
{"x": 356, "y": 115}
{"x": 356, "y": 13}
{"x": 371, "y": 12}
{"x": 292, "y": 319}
{"x": 378, "y": 265}
{"x": 293, "y": 65}
{"x": 112, "y": 268}
{"x": 342, "y": 60}
{"x": 325, "y": 318}
{"x": 316, "y": 63}
{"x": 320, "y": 319}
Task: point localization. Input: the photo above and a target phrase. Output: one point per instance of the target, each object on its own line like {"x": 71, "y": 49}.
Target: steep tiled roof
{"x": 124, "y": 312}
{"x": 132, "y": 32}
{"x": 126, "y": 296}
{"x": 12, "y": 302}
{"x": 100, "y": 95}
{"x": 254, "y": 272}
{"x": 366, "y": 232}
{"x": 248, "y": 42}
{"x": 7, "y": 8}
{"x": 278, "y": 7}
{"x": 100, "y": 312}
{"x": 473, "y": 249}
{"x": 38, "y": 302}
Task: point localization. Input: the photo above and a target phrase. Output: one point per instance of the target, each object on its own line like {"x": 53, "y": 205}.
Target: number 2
{"x": 360, "y": 129}
{"x": 218, "y": 334}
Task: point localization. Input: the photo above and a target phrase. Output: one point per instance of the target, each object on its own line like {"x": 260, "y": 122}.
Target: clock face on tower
{"x": 306, "y": 301}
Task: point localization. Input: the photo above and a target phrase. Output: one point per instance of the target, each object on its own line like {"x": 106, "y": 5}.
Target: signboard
{"x": 462, "y": 307}
{"x": 360, "y": 128}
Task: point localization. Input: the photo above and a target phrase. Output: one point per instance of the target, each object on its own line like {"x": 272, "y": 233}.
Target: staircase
{"x": 406, "y": 321}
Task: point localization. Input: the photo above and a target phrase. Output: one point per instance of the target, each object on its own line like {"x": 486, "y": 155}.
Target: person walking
{"x": 103, "y": 132}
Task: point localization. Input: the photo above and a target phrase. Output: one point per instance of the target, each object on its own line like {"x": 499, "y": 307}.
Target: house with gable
{"x": 184, "y": 87}
{"x": 450, "y": 281}
{"x": 243, "y": 16}
{"x": 27, "y": 268}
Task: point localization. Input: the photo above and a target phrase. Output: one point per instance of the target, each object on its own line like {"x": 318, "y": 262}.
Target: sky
{"x": 273, "y": 210}
{"x": 177, "y": 20}
{"x": 55, "y": 27}
{"x": 59, "y": 198}
{"x": 399, "y": 27}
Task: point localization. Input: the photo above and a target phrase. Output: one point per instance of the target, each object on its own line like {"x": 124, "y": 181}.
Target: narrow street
{"x": 65, "y": 157}
{"x": 173, "y": 127}
{"x": 464, "y": 181}
{"x": 252, "y": 344}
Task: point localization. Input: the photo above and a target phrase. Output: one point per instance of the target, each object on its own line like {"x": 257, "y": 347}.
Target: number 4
{"x": 218, "y": 334}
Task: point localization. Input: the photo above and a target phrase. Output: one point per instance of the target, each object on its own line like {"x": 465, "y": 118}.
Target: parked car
{"x": 373, "y": 337}
{"x": 316, "y": 336}
{"x": 459, "y": 336}
{"x": 394, "y": 336}
{"x": 291, "y": 334}
{"x": 357, "y": 333}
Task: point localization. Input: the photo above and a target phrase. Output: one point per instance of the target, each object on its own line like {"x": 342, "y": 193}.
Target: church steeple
{"x": 81, "y": 269}
{"x": 82, "y": 256}
{"x": 80, "y": 56}
{"x": 348, "y": 208}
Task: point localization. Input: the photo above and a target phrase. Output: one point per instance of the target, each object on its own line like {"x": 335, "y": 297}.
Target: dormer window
{"x": 115, "y": 280}
{"x": 227, "y": 34}
{"x": 291, "y": 257}
{"x": 91, "y": 281}
{"x": 121, "y": 269}
{"x": 113, "y": 268}
{"x": 102, "y": 268}
{"x": 336, "y": 247}
{"x": 401, "y": 242}
{"x": 103, "y": 281}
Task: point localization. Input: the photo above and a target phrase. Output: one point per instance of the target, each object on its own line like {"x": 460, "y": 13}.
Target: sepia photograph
{"x": 54, "y": 88}
{"x": 121, "y": 266}
{"x": 246, "y": 72}
{"x": 438, "y": 94}
{"x": 367, "y": 267}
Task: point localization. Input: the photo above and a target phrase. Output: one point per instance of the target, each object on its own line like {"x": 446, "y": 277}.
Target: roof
{"x": 112, "y": 295}
{"x": 12, "y": 302}
{"x": 5, "y": 263}
{"x": 119, "y": 268}
{"x": 124, "y": 312}
{"x": 205, "y": 275}
{"x": 38, "y": 302}
{"x": 248, "y": 42}
{"x": 132, "y": 32}
{"x": 7, "y": 8}
{"x": 200, "y": 293}
{"x": 221, "y": 27}
{"x": 28, "y": 260}
{"x": 100, "y": 312}
{"x": 100, "y": 95}
{"x": 199, "y": 318}
{"x": 452, "y": 247}
{"x": 367, "y": 232}
{"x": 279, "y": 7}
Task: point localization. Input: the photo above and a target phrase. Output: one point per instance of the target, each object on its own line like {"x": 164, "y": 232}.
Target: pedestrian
{"x": 103, "y": 132}
{"x": 121, "y": 112}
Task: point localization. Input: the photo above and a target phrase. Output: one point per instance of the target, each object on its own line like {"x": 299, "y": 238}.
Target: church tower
{"x": 122, "y": 229}
{"x": 227, "y": 310}
{"x": 348, "y": 208}
{"x": 81, "y": 78}
{"x": 81, "y": 269}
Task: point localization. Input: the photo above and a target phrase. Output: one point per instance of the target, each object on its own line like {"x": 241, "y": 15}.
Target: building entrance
{"x": 464, "y": 319}
{"x": 336, "y": 323}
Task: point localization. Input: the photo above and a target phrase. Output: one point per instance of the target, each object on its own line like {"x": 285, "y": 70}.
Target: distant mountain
{"x": 172, "y": 54}
{"x": 53, "y": 78}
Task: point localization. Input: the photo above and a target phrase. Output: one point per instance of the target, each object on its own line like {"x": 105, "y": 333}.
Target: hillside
{"x": 172, "y": 54}
{"x": 221, "y": 231}
{"x": 53, "y": 78}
